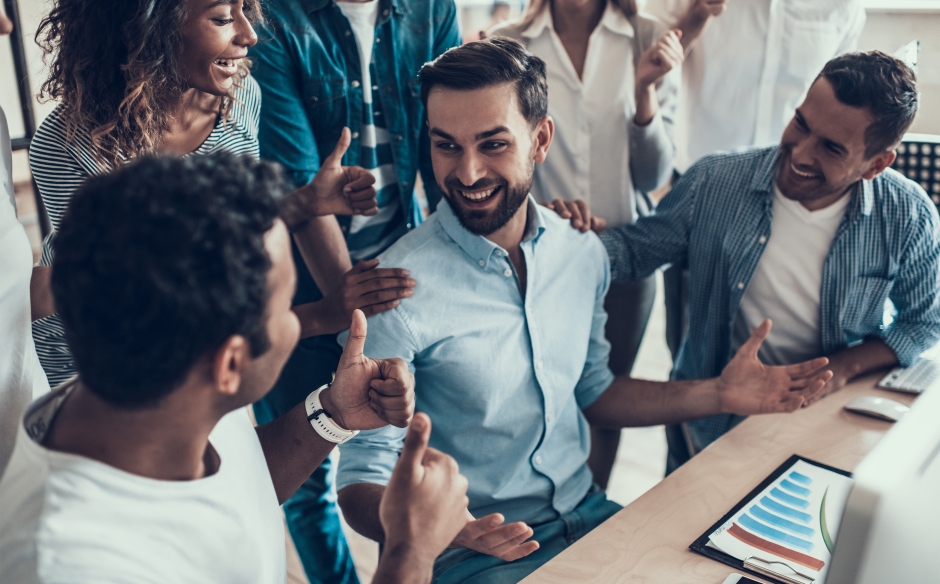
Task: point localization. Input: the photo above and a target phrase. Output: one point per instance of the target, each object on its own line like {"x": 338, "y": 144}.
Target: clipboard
{"x": 766, "y": 567}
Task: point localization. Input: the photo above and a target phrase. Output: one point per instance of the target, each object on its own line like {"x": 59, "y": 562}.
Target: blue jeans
{"x": 311, "y": 513}
{"x": 469, "y": 567}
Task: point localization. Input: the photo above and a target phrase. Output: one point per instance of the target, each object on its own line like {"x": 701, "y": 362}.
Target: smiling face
{"x": 484, "y": 153}
{"x": 216, "y": 36}
{"x": 822, "y": 152}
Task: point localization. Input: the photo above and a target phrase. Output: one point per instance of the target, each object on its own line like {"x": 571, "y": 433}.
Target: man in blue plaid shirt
{"x": 816, "y": 234}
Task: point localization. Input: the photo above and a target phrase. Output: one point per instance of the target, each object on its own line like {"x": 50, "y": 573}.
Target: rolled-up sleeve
{"x": 652, "y": 148}
{"x": 371, "y": 456}
{"x": 596, "y": 376}
{"x": 916, "y": 290}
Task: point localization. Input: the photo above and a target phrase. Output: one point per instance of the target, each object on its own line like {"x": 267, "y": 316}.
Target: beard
{"x": 801, "y": 191}
{"x": 487, "y": 222}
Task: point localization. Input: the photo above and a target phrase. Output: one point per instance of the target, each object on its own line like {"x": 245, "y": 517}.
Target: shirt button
{"x": 355, "y": 135}
{"x": 378, "y": 40}
{"x": 355, "y": 83}
{"x": 376, "y": 88}
{"x": 482, "y": 263}
{"x": 537, "y": 459}
{"x": 408, "y": 225}
{"x": 507, "y": 273}
{"x": 740, "y": 285}
{"x": 550, "y": 417}
{"x": 538, "y": 365}
{"x": 385, "y": 12}
{"x": 762, "y": 240}
{"x": 399, "y": 137}
{"x": 348, "y": 32}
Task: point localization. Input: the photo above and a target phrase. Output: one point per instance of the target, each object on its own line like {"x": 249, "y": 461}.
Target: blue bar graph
{"x": 801, "y": 478}
{"x": 775, "y": 534}
{"x": 789, "y": 499}
{"x": 785, "y": 511}
{"x": 777, "y": 521}
{"x": 795, "y": 489}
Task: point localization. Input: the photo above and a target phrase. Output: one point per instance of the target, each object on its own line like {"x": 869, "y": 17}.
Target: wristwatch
{"x": 321, "y": 420}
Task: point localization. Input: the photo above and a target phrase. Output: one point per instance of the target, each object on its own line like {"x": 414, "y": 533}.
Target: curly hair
{"x": 158, "y": 263}
{"x": 115, "y": 67}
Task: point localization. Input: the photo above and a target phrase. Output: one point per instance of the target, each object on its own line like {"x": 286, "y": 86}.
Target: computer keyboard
{"x": 917, "y": 378}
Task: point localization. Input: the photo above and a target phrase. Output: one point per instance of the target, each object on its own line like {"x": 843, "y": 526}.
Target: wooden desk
{"x": 648, "y": 541}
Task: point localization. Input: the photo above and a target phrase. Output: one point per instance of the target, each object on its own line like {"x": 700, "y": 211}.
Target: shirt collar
{"x": 613, "y": 20}
{"x": 765, "y": 177}
{"x": 479, "y": 248}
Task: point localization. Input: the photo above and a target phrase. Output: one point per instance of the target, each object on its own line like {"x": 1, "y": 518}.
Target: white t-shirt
{"x": 21, "y": 376}
{"x": 786, "y": 284}
{"x": 67, "y": 518}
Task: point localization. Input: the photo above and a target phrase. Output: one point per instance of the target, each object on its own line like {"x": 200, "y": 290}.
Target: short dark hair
{"x": 884, "y": 85}
{"x": 492, "y": 61}
{"x": 157, "y": 264}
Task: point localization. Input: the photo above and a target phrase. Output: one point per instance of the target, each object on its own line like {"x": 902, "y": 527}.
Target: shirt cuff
{"x": 903, "y": 344}
{"x": 367, "y": 458}
{"x": 592, "y": 387}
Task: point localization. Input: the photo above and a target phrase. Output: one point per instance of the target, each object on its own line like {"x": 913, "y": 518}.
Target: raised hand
{"x": 489, "y": 536}
{"x": 369, "y": 393}
{"x": 748, "y": 387}
{"x": 579, "y": 213}
{"x": 696, "y": 16}
{"x": 335, "y": 190}
{"x": 659, "y": 59}
{"x": 425, "y": 503}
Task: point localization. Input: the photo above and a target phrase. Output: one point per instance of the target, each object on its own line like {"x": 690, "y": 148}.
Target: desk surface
{"x": 648, "y": 541}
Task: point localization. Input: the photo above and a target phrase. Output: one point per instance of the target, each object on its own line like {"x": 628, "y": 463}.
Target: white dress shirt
{"x": 751, "y": 68}
{"x": 598, "y": 153}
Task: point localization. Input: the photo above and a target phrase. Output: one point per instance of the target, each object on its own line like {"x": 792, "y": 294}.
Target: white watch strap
{"x": 321, "y": 422}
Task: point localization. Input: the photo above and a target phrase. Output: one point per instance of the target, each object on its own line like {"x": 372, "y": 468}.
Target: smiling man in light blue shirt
{"x": 505, "y": 335}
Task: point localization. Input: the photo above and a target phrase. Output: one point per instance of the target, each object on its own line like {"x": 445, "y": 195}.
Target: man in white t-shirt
{"x": 816, "y": 234}
{"x": 174, "y": 280}
{"x": 21, "y": 376}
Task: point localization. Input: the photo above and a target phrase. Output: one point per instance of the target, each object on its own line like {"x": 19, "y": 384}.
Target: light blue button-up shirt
{"x": 718, "y": 217}
{"x": 503, "y": 377}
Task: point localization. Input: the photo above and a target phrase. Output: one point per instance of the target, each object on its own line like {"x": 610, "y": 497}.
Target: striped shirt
{"x": 718, "y": 217}
{"x": 367, "y": 237}
{"x": 61, "y": 166}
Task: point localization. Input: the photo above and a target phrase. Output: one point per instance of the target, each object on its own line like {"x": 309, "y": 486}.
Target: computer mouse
{"x": 878, "y": 407}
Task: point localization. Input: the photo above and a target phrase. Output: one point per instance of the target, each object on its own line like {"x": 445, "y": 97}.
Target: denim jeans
{"x": 311, "y": 513}
{"x": 466, "y": 566}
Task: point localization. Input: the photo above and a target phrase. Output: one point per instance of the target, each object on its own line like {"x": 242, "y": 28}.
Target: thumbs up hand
{"x": 342, "y": 190}
{"x": 424, "y": 505}
{"x": 369, "y": 393}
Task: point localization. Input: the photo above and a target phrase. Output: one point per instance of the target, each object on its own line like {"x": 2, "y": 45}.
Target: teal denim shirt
{"x": 307, "y": 64}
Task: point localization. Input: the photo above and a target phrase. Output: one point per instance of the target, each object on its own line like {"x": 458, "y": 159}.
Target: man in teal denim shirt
{"x": 315, "y": 81}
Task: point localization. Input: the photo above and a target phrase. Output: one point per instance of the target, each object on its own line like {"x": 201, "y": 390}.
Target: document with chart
{"x": 784, "y": 529}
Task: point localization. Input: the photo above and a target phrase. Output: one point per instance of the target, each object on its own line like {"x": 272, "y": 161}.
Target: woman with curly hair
{"x": 139, "y": 76}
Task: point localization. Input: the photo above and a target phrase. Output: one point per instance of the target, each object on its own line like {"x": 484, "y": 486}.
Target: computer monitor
{"x": 890, "y": 529}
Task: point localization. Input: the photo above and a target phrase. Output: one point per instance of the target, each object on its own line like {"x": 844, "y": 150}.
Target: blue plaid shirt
{"x": 715, "y": 217}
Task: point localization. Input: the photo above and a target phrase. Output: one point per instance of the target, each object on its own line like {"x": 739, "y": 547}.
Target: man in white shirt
{"x": 21, "y": 376}
{"x": 749, "y": 64}
{"x": 174, "y": 280}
